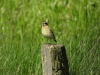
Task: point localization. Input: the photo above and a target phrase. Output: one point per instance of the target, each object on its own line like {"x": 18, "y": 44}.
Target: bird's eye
{"x": 46, "y": 23}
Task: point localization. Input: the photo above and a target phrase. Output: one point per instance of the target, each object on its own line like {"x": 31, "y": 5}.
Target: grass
{"x": 76, "y": 26}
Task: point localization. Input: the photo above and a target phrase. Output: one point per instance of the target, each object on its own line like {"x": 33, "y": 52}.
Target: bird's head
{"x": 44, "y": 23}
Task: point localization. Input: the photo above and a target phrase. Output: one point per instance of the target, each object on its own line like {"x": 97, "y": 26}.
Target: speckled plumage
{"x": 47, "y": 32}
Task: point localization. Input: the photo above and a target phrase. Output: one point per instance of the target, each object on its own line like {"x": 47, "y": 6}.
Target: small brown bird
{"x": 47, "y": 32}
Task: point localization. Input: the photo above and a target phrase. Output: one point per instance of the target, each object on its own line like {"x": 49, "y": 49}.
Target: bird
{"x": 47, "y": 32}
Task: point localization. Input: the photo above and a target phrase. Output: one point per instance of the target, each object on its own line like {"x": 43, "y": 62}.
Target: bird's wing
{"x": 52, "y": 32}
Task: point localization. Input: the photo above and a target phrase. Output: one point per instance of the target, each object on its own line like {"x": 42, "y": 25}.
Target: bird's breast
{"x": 46, "y": 32}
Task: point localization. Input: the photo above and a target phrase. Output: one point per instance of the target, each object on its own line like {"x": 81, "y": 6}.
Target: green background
{"x": 75, "y": 23}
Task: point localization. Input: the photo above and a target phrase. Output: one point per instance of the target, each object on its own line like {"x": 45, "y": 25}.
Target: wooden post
{"x": 54, "y": 60}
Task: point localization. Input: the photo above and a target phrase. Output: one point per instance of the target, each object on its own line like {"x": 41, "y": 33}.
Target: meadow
{"x": 75, "y": 23}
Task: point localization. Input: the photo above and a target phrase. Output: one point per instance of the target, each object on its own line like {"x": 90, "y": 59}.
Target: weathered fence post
{"x": 54, "y": 60}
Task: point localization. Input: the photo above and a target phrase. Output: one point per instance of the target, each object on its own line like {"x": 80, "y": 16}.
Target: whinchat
{"x": 47, "y": 32}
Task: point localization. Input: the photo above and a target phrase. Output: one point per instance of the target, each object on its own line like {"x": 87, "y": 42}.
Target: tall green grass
{"x": 76, "y": 26}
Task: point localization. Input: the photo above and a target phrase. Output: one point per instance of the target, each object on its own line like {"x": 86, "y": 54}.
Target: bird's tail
{"x": 55, "y": 40}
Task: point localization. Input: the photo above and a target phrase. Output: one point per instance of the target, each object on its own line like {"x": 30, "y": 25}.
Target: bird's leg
{"x": 47, "y": 41}
{"x": 50, "y": 41}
